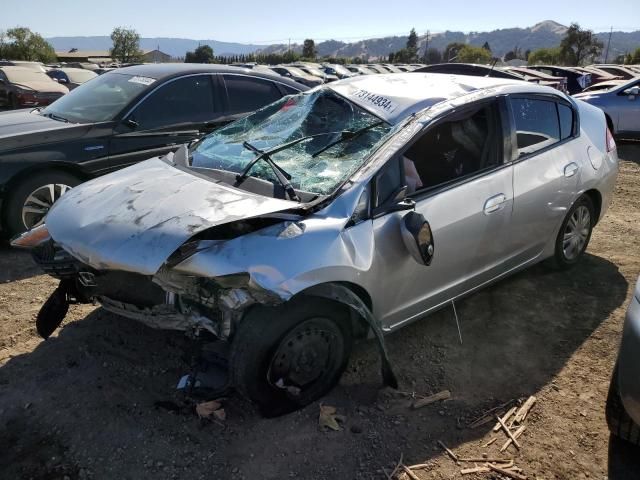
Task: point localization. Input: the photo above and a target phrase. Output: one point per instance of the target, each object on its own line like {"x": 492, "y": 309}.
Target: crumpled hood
{"x": 134, "y": 219}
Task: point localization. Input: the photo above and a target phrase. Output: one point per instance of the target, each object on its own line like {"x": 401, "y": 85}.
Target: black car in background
{"x": 468, "y": 69}
{"x": 576, "y": 80}
{"x": 115, "y": 120}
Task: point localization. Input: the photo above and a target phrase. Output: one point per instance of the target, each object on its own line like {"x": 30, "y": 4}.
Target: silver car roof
{"x": 393, "y": 97}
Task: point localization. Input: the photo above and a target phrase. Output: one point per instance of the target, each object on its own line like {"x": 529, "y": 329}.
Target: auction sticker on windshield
{"x": 142, "y": 80}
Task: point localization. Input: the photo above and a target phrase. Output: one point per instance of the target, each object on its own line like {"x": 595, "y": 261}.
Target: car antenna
{"x": 495, "y": 60}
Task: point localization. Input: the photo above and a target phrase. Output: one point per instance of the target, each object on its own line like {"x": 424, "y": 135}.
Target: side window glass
{"x": 460, "y": 146}
{"x": 565, "y": 113}
{"x": 388, "y": 181}
{"x": 537, "y": 124}
{"x": 185, "y": 100}
{"x": 247, "y": 94}
{"x": 289, "y": 90}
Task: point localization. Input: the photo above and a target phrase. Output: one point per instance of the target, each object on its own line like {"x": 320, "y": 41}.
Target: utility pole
{"x": 606, "y": 53}
{"x": 426, "y": 46}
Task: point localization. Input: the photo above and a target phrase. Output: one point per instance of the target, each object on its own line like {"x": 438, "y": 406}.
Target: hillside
{"x": 543, "y": 34}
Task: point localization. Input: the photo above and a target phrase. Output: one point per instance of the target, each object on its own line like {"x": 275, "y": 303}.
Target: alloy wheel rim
{"x": 576, "y": 233}
{"x": 38, "y": 203}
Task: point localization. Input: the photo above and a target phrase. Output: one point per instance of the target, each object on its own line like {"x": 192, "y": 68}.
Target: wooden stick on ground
{"x": 396, "y": 467}
{"x": 505, "y": 418}
{"x": 451, "y": 454}
{"x": 466, "y": 471}
{"x": 487, "y": 416}
{"x": 422, "y": 402}
{"x": 419, "y": 466}
{"x": 524, "y": 410}
{"x": 507, "y": 473}
{"x": 490, "y": 442}
{"x": 508, "y": 432}
{"x": 517, "y": 433}
{"x": 411, "y": 475}
{"x": 488, "y": 459}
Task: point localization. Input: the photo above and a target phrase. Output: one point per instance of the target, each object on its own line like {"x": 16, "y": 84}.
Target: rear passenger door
{"x": 176, "y": 112}
{"x": 244, "y": 94}
{"x": 545, "y": 173}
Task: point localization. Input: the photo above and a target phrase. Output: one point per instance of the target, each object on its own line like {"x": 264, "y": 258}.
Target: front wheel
{"x": 575, "y": 233}
{"x": 285, "y": 357}
{"x": 30, "y": 201}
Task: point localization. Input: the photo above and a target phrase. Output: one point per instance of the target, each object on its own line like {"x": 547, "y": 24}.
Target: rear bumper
{"x": 629, "y": 359}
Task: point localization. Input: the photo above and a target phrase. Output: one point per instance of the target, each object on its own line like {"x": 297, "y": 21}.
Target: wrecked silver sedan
{"x": 344, "y": 212}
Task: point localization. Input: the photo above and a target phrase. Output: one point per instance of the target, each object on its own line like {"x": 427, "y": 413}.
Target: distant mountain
{"x": 542, "y": 35}
{"x": 176, "y": 47}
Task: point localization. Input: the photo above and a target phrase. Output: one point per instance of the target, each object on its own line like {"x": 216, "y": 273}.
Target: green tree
{"x": 544, "y": 56}
{"x": 633, "y": 58}
{"x": 411, "y": 55}
{"x": 126, "y": 45}
{"x": 471, "y": 54}
{"x": 20, "y": 43}
{"x": 579, "y": 46}
{"x": 309, "y": 49}
{"x": 202, "y": 54}
{"x": 431, "y": 56}
{"x": 451, "y": 52}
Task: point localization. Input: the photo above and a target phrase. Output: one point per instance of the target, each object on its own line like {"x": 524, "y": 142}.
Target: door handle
{"x": 571, "y": 169}
{"x": 495, "y": 203}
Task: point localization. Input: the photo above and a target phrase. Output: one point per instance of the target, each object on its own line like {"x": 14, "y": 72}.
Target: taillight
{"x": 611, "y": 143}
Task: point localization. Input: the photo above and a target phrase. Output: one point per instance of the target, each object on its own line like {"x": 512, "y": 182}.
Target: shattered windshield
{"x": 318, "y": 138}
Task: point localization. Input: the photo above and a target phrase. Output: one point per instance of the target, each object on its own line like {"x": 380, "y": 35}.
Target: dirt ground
{"x": 88, "y": 403}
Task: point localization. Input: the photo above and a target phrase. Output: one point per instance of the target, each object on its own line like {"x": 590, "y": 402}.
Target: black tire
{"x": 315, "y": 327}
{"x": 620, "y": 423}
{"x": 560, "y": 260}
{"x": 19, "y": 195}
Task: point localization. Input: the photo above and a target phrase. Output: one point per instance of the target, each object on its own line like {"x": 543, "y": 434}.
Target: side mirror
{"x": 417, "y": 237}
{"x": 63, "y": 80}
{"x": 632, "y": 92}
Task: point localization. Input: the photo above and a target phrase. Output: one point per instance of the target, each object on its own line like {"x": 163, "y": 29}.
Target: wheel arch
{"x": 596, "y": 198}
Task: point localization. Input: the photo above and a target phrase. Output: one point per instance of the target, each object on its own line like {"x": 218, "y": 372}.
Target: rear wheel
{"x": 619, "y": 422}
{"x": 285, "y": 357}
{"x": 575, "y": 233}
{"x": 31, "y": 200}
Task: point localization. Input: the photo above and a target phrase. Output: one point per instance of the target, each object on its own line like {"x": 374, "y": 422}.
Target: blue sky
{"x": 265, "y": 22}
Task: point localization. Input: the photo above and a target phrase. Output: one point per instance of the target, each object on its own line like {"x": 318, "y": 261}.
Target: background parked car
{"x": 117, "y": 119}
{"x": 337, "y": 70}
{"x": 576, "y": 80}
{"x": 71, "y": 77}
{"x": 297, "y": 75}
{"x": 35, "y": 66}
{"x": 619, "y": 70}
{"x": 22, "y": 87}
{"x": 316, "y": 72}
{"x": 623, "y": 402}
{"x": 468, "y": 69}
{"x": 621, "y": 105}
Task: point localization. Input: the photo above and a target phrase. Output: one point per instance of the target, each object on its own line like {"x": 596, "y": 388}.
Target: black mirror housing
{"x": 418, "y": 238}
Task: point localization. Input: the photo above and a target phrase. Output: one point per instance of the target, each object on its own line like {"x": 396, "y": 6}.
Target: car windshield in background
{"x": 99, "y": 100}
{"x": 338, "y": 138}
{"x": 24, "y": 75}
{"x": 80, "y": 76}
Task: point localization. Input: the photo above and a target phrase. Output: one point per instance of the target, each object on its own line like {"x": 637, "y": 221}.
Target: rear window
{"x": 565, "y": 113}
{"x": 247, "y": 94}
{"x": 537, "y": 125}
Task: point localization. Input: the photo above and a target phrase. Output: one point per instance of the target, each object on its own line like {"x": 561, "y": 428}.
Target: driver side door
{"x": 176, "y": 112}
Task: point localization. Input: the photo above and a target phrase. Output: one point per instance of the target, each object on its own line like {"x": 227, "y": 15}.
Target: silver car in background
{"x": 347, "y": 211}
{"x": 623, "y": 402}
{"x": 621, "y": 105}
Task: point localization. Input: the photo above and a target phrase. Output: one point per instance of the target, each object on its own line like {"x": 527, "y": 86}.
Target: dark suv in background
{"x": 115, "y": 120}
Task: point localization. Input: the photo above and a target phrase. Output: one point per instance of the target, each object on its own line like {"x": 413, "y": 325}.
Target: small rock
{"x": 356, "y": 429}
{"x": 235, "y": 470}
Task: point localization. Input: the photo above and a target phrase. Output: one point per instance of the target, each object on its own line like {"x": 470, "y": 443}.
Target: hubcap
{"x": 576, "y": 233}
{"x": 40, "y": 201}
{"x": 302, "y": 357}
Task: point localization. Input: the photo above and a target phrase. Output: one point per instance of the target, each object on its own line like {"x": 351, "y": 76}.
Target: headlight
{"x": 31, "y": 239}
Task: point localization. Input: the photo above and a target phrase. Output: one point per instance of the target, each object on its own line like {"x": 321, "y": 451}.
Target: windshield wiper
{"x": 282, "y": 176}
{"x": 347, "y": 135}
{"x": 53, "y": 116}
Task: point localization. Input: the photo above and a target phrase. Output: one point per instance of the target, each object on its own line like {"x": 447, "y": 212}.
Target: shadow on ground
{"x": 90, "y": 394}
{"x": 16, "y": 264}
